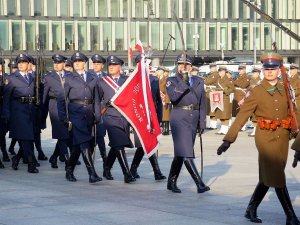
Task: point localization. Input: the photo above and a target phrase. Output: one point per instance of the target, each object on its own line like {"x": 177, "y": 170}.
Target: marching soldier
{"x": 98, "y": 64}
{"x": 268, "y": 101}
{"x": 116, "y": 125}
{"x": 225, "y": 85}
{"x": 82, "y": 104}
{"x": 167, "y": 106}
{"x": 210, "y": 85}
{"x": 195, "y": 71}
{"x": 139, "y": 153}
{"x": 20, "y": 113}
{"x": 188, "y": 99}
{"x": 295, "y": 83}
{"x": 54, "y": 87}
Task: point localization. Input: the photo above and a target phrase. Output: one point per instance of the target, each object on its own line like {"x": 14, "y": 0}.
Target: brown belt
{"x": 272, "y": 124}
{"x": 187, "y": 107}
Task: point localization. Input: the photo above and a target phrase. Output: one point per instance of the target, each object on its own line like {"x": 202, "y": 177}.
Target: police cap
{"x": 111, "y": 60}
{"x": 294, "y": 66}
{"x": 78, "y": 56}
{"x": 182, "y": 59}
{"x": 68, "y": 63}
{"x": 212, "y": 65}
{"x": 271, "y": 60}
{"x": 12, "y": 64}
{"x": 57, "y": 58}
{"x": 98, "y": 59}
{"x": 22, "y": 58}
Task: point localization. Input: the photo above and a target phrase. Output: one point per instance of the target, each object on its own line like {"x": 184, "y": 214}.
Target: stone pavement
{"x": 47, "y": 198}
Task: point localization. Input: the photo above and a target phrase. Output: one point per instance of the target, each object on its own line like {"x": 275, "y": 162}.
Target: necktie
{"x": 116, "y": 80}
{"x": 26, "y": 78}
{"x": 82, "y": 76}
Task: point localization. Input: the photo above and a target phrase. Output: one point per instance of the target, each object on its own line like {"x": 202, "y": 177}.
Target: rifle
{"x": 10, "y": 60}
{"x": 3, "y": 74}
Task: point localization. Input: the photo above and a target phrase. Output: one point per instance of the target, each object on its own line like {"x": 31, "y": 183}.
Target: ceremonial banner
{"x": 216, "y": 100}
{"x": 134, "y": 101}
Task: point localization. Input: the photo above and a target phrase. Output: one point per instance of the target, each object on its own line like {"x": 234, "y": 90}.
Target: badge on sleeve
{"x": 168, "y": 83}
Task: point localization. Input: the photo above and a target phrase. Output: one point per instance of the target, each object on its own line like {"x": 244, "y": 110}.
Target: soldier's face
{"x": 242, "y": 71}
{"x": 114, "y": 69}
{"x": 78, "y": 65}
{"x": 23, "y": 66}
{"x": 255, "y": 75}
{"x": 58, "y": 66}
{"x": 97, "y": 67}
{"x": 222, "y": 73}
{"x": 69, "y": 68}
{"x": 271, "y": 74}
{"x": 213, "y": 69}
{"x": 181, "y": 68}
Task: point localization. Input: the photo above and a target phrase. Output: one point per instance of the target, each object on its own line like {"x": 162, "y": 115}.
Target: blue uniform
{"x": 184, "y": 122}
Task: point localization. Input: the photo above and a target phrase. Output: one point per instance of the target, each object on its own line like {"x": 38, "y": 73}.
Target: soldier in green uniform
{"x": 295, "y": 83}
{"x": 268, "y": 101}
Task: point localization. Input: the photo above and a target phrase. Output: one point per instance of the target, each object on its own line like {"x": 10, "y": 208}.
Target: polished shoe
{"x": 154, "y": 163}
{"x": 174, "y": 173}
{"x": 69, "y": 174}
{"x": 88, "y": 161}
{"x": 15, "y": 162}
{"x": 121, "y": 155}
{"x": 32, "y": 165}
{"x": 53, "y": 162}
{"x": 107, "y": 174}
{"x": 62, "y": 158}
{"x": 41, "y": 156}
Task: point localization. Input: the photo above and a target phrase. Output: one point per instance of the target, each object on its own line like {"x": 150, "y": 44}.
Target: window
{"x": 38, "y": 7}
{"x": 119, "y": 36}
{"x": 197, "y": 5}
{"x": 69, "y": 36}
{"x": 155, "y": 35}
{"x": 224, "y": 38}
{"x": 257, "y": 40}
{"x": 139, "y": 8}
{"x": 90, "y": 8}
{"x": 56, "y": 36}
{"x": 107, "y": 36}
{"x": 178, "y": 43}
{"x": 278, "y": 36}
{"x": 11, "y": 8}
{"x": 64, "y": 8}
{"x": 44, "y": 35}
{"x": 102, "y": 8}
{"x": 186, "y": 9}
{"x": 95, "y": 37}
{"x": 125, "y": 7}
{"x": 246, "y": 38}
{"x": 268, "y": 41}
{"x": 201, "y": 40}
{"x": 235, "y": 37}
{"x": 174, "y": 6}
{"x": 17, "y": 35}
{"x": 230, "y": 9}
{"x": 132, "y": 32}
{"x": 163, "y": 9}
{"x": 30, "y": 35}
{"x": 115, "y": 8}
{"x": 143, "y": 33}
{"x": 190, "y": 31}
{"x": 82, "y": 40}
{"x": 25, "y": 8}
{"x": 212, "y": 37}
{"x": 166, "y": 36}
{"x": 4, "y": 35}
{"x": 274, "y": 9}
{"x": 76, "y": 8}
{"x": 1, "y": 8}
{"x": 208, "y": 9}
{"x": 51, "y": 8}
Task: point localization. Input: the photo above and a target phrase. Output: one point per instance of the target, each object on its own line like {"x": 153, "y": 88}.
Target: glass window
{"x": 56, "y": 36}
{"x": 178, "y": 43}
{"x": 4, "y": 35}
{"x": 246, "y": 38}
{"x": 51, "y": 7}
{"x": 163, "y": 9}
{"x": 1, "y": 7}
{"x": 235, "y": 37}
{"x": 11, "y": 7}
{"x": 257, "y": 42}
{"x": 230, "y": 9}
{"x": 90, "y": 8}
{"x": 95, "y": 37}
{"x": 278, "y": 36}
{"x": 69, "y": 36}
{"x": 17, "y": 35}
{"x": 44, "y": 35}
{"x": 155, "y": 35}
{"x": 166, "y": 36}
{"x": 64, "y": 8}
{"x": 102, "y": 8}
{"x": 208, "y": 9}
{"x": 125, "y": 7}
{"x": 25, "y": 8}
{"x": 82, "y": 40}
{"x": 197, "y": 5}
{"x": 224, "y": 37}
{"x": 132, "y": 30}
{"x": 267, "y": 39}
{"x": 107, "y": 36}
{"x": 115, "y": 8}
{"x": 274, "y": 9}
{"x": 143, "y": 33}
{"x": 186, "y": 9}
{"x": 76, "y": 8}
{"x": 212, "y": 37}
{"x": 30, "y": 35}
{"x": 139, "y": 8}
{"x": 174, "y": 6}
{"x": 119, "y": 36}
{"x": 38, "y": 7}
{"x": 190, "y": 31}
{"x": 202, "y": 39}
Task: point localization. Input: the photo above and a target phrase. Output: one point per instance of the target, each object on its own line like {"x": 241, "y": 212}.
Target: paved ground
{"x": 47, "y": 198}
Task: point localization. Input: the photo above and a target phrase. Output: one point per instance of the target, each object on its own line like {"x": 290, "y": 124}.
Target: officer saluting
{"x": 268, "y": 101}
{"x": 116, "y": 125}
{"x": 20, "y": 112}
{"x": 188, "y": 98}
{"x": 83, "y": 103}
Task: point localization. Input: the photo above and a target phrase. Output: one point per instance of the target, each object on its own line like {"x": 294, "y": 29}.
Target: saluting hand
{"x": 223, "y": 148}
{"x": 296, "y": 159}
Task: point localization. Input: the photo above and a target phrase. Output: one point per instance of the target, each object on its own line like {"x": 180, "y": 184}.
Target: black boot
{"x": 87, "y": 158}
{"x": 174, "y": 173}
{"x": 31, "y": 165}
{"x": 167, "y": 128}
{"x": 16, "y": 159}
{"x": 53, "y": 158}
{"x": 38, "y": 145}
{"x": 41, "y": 155}
{"x": 284, "y": 198}
{"x": 12, "y": 146}
{"x": 1, "y": 165}
{"x": 164, "y": 128}
{"x": 258, "y": 195}
{"x": 111, "y": 157}
{"x": 191, "y": 167}
{"x": 70, "y": 166}
{"x": 154, "y": 163}
{"x": 137, "y": 158}
{"x": 128, "y": 178}
{"x": 104, "y": 157}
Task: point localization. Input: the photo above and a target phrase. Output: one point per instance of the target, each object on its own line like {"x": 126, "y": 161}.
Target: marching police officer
{"x": 13, "y": 67}
{"x": 139, "y": 153}
{"x": 98, "y": 64}
{"x": 54, "y": 87}
{"x": 268, "y": 101}
{"x": 116, "y": 125}
{"x": 82, "y": 104}
{"x": 68, "y": 65}
{"x": 188, "y": 98}
{"x": 20, "y": 112}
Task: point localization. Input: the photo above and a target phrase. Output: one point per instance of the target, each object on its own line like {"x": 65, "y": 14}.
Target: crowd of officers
{"x": 78, "y": 103}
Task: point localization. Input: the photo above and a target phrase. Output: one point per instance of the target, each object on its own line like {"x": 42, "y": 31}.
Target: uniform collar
{"x": 271, "y": 89}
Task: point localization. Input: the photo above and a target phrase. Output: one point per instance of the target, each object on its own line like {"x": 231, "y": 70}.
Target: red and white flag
{"x": 134, "y": 101}
{"x": 139, "y": 46}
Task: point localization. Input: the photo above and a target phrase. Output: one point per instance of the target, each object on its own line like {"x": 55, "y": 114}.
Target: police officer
{"x": 54, "y": 87}
{"x": 295, "y": 83}
{"x": 139, "y": 153}
{"x": 19, "y": 111}
{"x": 268, "y": 101}
{"x": 13, "y": 67}
{"x": 98, "y": 64}
{"x": 68, "y": 65}
{"x": 116, "y": 125}
{"x": 188, "y": 98}
{"x": 83, "y": 103}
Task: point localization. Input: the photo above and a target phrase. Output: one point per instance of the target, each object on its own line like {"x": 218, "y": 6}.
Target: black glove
{"x": 185, "y": 77}
{"x": 223, "y": 147}
{"x": 296, "y": 159}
